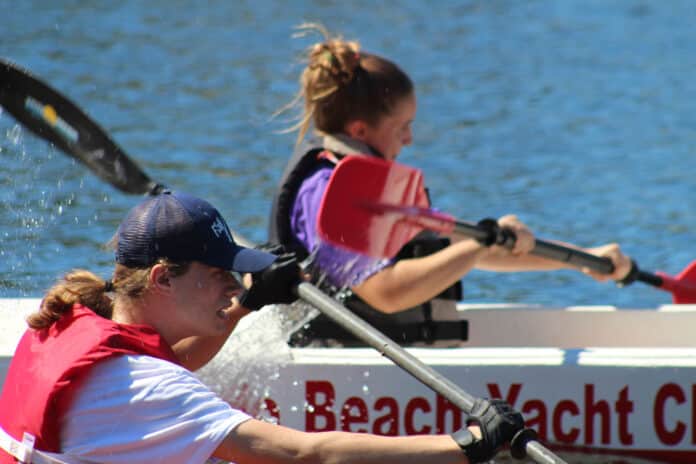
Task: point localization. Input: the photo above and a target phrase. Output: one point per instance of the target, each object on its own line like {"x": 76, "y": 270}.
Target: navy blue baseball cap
{"x": 182, "y": 227}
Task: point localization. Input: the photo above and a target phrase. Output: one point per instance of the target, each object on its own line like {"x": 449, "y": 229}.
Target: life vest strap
{"x": 24, "y": 450}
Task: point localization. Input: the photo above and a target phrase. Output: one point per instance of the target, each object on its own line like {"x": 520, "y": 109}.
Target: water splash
{"x": 342, "y": 267}
{"x": 248, "y": 365}
{"x": 42, "y": 200}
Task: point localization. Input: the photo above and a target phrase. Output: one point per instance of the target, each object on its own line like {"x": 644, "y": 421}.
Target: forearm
{"x": 264, "y": 443}
{"x": 410, "y": 282}
{"x": 339, "y": 448}
{"x": 501, "y": 260}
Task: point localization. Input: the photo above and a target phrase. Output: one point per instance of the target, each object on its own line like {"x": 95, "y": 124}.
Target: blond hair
{"x": 341, "y": 84}
{"x": 86, "y": 288}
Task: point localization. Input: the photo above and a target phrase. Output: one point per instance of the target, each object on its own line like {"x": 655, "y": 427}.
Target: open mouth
{"x": 224, "y": 313}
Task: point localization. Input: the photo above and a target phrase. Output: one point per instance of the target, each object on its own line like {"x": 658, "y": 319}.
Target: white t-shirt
{"x": 140, "y": 409}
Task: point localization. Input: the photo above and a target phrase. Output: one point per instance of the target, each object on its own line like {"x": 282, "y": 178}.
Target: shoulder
{"x": 139, "y": 367}
{"x": 312, "y": 188}
{"x": 132, "y": 379}
{"x": 317, "y": 178}
{"x": 149, "y": 379}
{"x": 143, "y": 396}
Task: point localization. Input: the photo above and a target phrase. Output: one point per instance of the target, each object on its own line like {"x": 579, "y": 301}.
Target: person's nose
{"x": 408, "y": 137}
{"x": 233, "y": 285}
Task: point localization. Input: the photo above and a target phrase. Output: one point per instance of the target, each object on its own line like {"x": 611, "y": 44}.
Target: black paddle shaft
{"x": 541, "y": 248}
{"x": 559, "y": 253}
{"x": 51, "y": 116}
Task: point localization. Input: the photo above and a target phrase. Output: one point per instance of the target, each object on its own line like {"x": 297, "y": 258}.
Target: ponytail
{"x": 85, "y": 288}
{"x": 76, "y": 287}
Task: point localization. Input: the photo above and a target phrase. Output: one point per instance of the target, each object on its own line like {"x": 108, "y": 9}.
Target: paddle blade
{"x": 51, "y": 116}
{"x": 346, "y": 218}
{"x": 683, "y": 286}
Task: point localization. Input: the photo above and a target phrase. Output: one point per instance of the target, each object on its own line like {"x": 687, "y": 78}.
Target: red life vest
{"x": 49, "y": 364}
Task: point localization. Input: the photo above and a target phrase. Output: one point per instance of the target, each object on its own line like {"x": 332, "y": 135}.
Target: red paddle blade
{"x": 683, "y": 286}
{"x": 345, "y": 218}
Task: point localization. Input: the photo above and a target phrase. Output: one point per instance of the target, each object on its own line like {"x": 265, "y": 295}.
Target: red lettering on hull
{"x": 588, "y": 422}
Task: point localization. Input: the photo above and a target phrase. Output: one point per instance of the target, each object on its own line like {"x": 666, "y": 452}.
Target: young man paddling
{"x": 103, "y": 380}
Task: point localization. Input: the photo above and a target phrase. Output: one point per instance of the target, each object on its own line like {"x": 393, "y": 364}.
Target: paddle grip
{"x": 518, "y": 444}
{"x": 658, "y": 279}
{"x": 155, "y": 188}
{"x": 485, "y": 232}
{"x": 573, "y": 256}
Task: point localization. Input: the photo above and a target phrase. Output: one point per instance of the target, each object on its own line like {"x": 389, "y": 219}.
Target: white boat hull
{"x": 598, "y": 384}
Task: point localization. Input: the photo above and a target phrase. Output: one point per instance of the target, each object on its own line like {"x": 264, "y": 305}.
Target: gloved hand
{"x": 498, "y": 423}
{"x": 274, "y": 285}
{"x": 274, "y": 248}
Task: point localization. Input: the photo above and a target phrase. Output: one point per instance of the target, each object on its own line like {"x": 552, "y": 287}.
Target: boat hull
{"x": 630, "y": 398}
{"x": 597, "y": 403}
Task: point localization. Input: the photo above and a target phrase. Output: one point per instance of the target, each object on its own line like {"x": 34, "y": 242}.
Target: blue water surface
{"x": 578, "y": 116}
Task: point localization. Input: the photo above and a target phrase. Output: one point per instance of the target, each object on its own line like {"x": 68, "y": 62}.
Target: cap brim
{"x": 249, "y": 260}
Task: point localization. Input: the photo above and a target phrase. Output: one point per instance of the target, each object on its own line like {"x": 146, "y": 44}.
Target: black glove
{"x": 498, "y": 423}
{"x": 274, "y": 285}
{"x": 274, "y": 248}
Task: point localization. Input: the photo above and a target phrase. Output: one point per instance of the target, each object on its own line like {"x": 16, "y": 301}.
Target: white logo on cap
{"x": 219, "y": 228}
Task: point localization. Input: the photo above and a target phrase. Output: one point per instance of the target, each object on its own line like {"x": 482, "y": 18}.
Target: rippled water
{"x": 576, "y": 115}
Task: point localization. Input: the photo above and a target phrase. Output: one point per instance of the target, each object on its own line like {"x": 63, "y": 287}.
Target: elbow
{"x": 383, "y": 301}
{"x": 388, "y": 292}
{"x": 391, "y": 306}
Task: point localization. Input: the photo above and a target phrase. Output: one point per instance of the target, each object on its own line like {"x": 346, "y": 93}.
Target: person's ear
{"x": 246, "y": 280}
{"x": 160, "y": 278}
{"x": 357, "y": 129}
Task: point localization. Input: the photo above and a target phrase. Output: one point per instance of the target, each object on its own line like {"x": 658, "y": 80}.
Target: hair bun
{"x": 340, "y": 59}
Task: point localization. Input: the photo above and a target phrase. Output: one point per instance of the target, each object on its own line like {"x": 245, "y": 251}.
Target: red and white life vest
{"x": 50, "y": 363}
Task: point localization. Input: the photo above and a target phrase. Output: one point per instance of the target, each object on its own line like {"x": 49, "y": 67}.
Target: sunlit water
{"x": 576, "y": 115}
